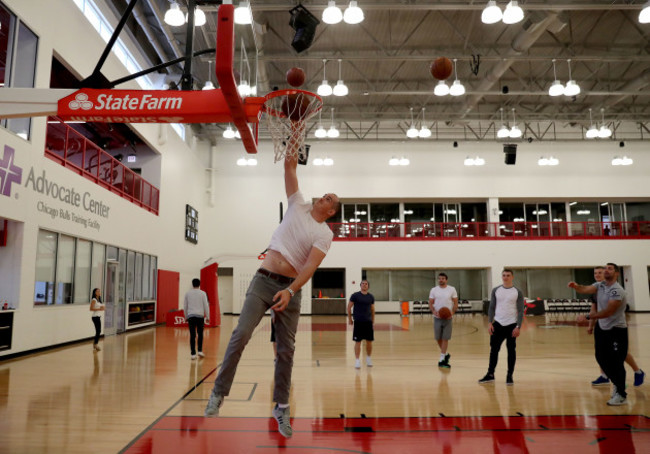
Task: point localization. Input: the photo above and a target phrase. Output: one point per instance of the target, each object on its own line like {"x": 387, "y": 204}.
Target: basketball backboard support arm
{"x": 226, "y": 77}
{"x": 149, "y": 106}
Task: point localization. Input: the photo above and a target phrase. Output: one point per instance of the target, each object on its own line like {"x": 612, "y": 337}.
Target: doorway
{"x": 115, "y": 307}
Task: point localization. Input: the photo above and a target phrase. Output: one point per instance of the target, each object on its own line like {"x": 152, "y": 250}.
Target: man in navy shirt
{"x": 362, "y": 318}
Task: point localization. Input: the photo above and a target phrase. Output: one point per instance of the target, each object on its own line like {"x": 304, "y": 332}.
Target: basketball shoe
{"x": 281, "y": 415}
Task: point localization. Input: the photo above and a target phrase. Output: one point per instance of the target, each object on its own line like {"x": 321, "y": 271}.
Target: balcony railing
{"x": 69, "y": 148}
{"x": 441, "y": 231}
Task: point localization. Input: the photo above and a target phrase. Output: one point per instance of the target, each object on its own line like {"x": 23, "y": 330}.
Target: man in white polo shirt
{"x": 443, "y": 295}
{"x": 297, "y": 247}
{"x": 505, "y": 316}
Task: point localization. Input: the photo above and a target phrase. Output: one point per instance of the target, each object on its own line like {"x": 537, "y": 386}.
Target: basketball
{"x": 444, "y": 313}
{"x": 296, "y": 77}
{"x": 441, "y": 68}
{"x": 295, "y": 106}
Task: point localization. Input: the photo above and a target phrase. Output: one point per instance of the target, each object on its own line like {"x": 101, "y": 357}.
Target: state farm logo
{"x": 126, "y": 102}
{"x": 80, "y": 102}
{"x": 9, "y": 172}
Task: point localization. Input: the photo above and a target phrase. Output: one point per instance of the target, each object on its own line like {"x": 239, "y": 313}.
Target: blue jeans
{"x": 259, "y": 298}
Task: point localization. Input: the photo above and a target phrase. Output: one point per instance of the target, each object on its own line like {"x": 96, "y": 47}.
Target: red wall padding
{"x": 209, "y": 285}
{"x": 168, "y": 282}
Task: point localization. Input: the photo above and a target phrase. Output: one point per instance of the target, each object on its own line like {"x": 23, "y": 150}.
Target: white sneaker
{"x": 282, "y": 416}
{"x": 214, "y": 403}
{"x": 617, "y": 399}
{"x": 201, "y": 354}
{"x": 193, "y": 357}
{"x": 357, "y": 364}
{"x": 368, "y": 361}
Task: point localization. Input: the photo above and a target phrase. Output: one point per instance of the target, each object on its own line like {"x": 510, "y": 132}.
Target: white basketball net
{"x": 286, "y": 120}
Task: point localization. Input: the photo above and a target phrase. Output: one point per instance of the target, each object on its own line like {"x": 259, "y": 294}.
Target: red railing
{"x": 69, "y": 148}
{"x": 432, "y": 231}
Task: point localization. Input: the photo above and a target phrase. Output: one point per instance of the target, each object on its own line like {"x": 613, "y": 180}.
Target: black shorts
{"x": 363, "y": 331}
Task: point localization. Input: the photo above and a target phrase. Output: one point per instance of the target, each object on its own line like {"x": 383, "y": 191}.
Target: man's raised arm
{"x": 290, "y": 175}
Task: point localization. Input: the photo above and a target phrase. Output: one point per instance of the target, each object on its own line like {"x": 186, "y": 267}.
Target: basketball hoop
{"x": 286, "y": 113}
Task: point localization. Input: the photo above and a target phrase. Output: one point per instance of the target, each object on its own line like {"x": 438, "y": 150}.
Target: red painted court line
{"x": 576, "y": 434}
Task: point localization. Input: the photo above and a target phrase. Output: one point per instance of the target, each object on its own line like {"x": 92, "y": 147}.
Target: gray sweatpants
{"x": 259, "y": 298}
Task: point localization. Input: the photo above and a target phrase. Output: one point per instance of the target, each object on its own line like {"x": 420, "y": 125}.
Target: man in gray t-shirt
{"x": 610, "y": 333}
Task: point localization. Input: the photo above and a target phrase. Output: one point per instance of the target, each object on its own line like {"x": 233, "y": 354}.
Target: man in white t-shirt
{"x": 297, "y": 248}
{"x": 505, "y": 315}
{"x": 443, "y": 295}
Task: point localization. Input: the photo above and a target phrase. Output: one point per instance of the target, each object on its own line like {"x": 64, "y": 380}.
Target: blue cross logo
{"x": 9, "y": 172}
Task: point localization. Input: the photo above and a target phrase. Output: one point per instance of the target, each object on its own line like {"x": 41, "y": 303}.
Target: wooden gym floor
{"x": 143, "y": 394}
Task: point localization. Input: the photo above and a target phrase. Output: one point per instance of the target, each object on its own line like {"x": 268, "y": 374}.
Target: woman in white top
{"x": 96, "y": 308}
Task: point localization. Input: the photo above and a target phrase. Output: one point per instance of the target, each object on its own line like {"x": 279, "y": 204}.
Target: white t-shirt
{"x": 95, "y": 307}
{"x": 443, "y": 297}
{"x": 506, "y": 311}
{"x": 299, "y": 232}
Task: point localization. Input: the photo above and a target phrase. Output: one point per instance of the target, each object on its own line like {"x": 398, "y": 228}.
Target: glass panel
{"x": 473, "y": 212}
{"x": 121, "y": 291}
{"x": 146, "y": 277}
{"x": 64, "y": 269}
{"x": 76, "y": 144}
{"x": 138, "y": 277}
{"x": 97, "y": 274}
{"x": 418, "y": 218}
{"x": 7, "y": 22}
{"x": 45, "y": 268}
{"x": 23, "y": 74}
{"x": 408, "y": 285}
{"x": 154, "y": 277}
{"x": 638, "y": 211}
{"x": 378, "y": 280}
{"x": 112, "y": 253}
{"x": 55, "y": 139}
{"x": 82, "y": 272}
{"x": 130, "y": 275}
{"x": 384, "y": 212}
{"x": 585, "y": 219}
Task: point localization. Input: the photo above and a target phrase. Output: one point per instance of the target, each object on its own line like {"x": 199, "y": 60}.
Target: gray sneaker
{"x": 214, "y": 403}
{"x": 616, "y": 400}
{"x": 282, "y": 416}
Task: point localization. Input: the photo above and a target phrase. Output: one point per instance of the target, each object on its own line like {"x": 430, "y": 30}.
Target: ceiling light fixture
{"x": 503, "y": 132}
{"x": 491, "y": 13}
{"x": 328, "y": 161}
{"x": 441, "y": 89}
{"x": 229, "y": 133}
{"x": 513, "y": 13}
{"x": 644, "y": 15}
{"x": 333, "y": 133}
{"x": 320, "y": 132}
{"x": 318, "y": 161}
{"x": 393, "y": 161}
{"x": 208, "y": 84}
{"x": 457, "y": 89}
{"x": 332, "y": 14}
{"x": 340, "y": 89}
{"x": 174, "y": 16}
{"x": 199, "y": 17}
{"x": 592, "y": 132}
{"x": 353, "y": 14}
{"x": 412, "y": 132}
{"x": 324, "y": 89}
{"x": 404, "y": 161}
{"x": 572, "y": 88}
{"x": 515, "y": 132}
{"x": 243, "y": 15}
{"x": 425, "y": 132}
{"x": 556, "y": 89}
{"x": 604, "y": 132}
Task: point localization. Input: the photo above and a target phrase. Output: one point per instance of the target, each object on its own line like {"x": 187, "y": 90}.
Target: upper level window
{"x": 18, "y": 47}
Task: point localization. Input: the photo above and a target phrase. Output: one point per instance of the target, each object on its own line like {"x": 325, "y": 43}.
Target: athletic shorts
{"x": 363, "y": 331}
{"x": 441, "y": 329}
